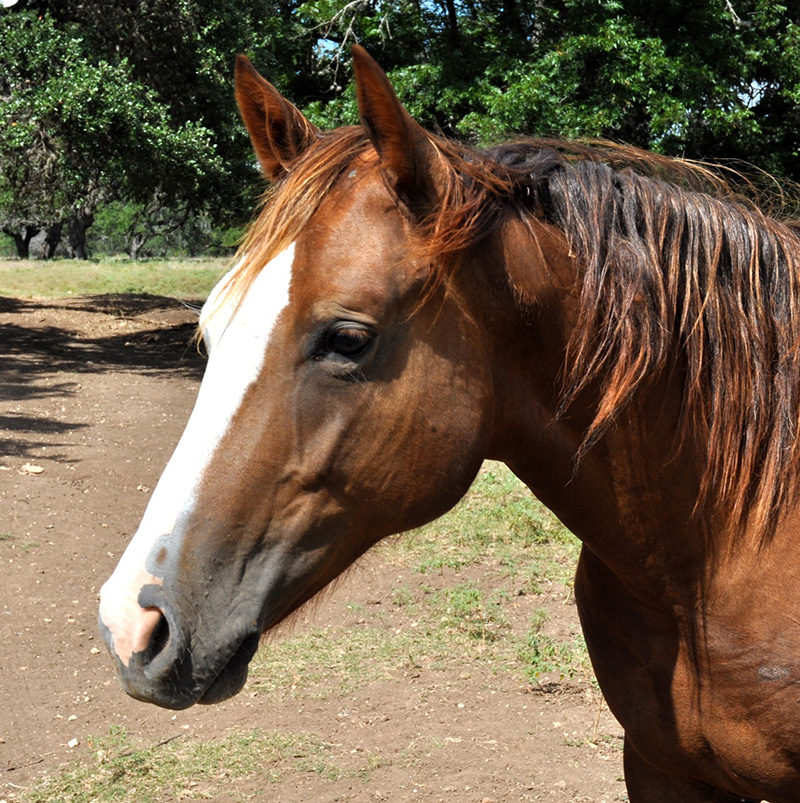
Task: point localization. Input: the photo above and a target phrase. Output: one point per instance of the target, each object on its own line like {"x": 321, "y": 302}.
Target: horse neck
{"x": 632, "y": 496}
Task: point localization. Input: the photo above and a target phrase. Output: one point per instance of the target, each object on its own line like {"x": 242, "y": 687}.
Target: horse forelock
{"x": 287, "y": 207}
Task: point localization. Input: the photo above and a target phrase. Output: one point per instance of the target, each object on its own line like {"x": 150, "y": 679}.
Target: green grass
{"x": 540, "y": 654}
{"x": 14, "y": 543}
{"x": 184, "y": 278}
{"x": 122, "y": 770}
{"x": 499, "y": 521}
{"x": 439, "y": 629}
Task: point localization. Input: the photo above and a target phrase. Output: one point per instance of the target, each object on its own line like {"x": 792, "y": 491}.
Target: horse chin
{"x": 227, "y": 684}
{"x": 231, "y": 679}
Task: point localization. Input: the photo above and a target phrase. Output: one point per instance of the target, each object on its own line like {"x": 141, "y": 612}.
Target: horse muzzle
{"x": 161, "y": 660}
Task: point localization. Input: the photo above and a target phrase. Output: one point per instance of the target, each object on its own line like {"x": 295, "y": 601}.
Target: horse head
{"x": 347, "y": 397}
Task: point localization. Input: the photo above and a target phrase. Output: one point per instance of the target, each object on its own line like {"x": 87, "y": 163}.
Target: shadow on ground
{"x": 35, "y": 342}
{"x": 47, "y": 346}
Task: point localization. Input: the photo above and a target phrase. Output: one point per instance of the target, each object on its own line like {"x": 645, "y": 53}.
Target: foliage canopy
{"x": 131, "y": 102}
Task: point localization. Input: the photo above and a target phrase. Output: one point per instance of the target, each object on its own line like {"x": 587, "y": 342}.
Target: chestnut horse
{"x": 405, "y": 307}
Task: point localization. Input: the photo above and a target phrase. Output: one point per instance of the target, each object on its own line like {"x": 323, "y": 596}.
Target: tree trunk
{"x": 452, "y": 24}
{"x": 52, "y": 239}
{"x": 135, "y": 245}
{"x": 76, "y": 234}
{"x": 22, "y": 239}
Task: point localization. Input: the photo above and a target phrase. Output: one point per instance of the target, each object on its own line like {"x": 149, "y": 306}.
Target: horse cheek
{"x": 435, "y": 446}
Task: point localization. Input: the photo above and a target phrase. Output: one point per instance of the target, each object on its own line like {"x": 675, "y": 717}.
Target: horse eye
{"x": 347, "y": 341}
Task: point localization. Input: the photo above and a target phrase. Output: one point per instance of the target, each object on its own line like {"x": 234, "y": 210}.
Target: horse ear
{"x": 278, "y": 130}
{"x": 407, "y": 156}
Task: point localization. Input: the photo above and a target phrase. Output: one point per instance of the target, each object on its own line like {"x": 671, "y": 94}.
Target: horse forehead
{"x": 259, "y": 304}
{"x": 357, "y": 213}
{"x": 357, "y": 254}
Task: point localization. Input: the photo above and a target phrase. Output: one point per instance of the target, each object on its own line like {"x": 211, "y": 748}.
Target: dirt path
{"x": 94, "y": 394}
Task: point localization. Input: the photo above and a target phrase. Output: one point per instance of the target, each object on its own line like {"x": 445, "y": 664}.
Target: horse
{"x": 619, "y": 328}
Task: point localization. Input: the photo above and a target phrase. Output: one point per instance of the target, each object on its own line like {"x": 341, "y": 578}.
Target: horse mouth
{"x": 233, "y": 675}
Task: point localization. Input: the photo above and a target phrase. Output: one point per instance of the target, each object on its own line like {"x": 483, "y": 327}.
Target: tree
{"x": 131, "y": 101}
{"x": 707, "y": 79}
{"x": 183, "y": 52}
{"x": 76, "y": 130}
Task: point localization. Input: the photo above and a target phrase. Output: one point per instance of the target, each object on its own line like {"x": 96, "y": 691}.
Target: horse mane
{"x": 669, "y": 255}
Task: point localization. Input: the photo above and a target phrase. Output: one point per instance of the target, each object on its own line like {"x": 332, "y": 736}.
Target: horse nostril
{"x": 159, "y": 638}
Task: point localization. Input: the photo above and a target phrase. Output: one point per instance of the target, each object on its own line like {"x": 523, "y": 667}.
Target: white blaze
{"x": 237, "y": 339}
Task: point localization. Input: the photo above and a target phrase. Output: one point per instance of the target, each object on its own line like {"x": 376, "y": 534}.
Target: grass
{"x": 439, "y": 629}
{"x": 541, "y": 654}
{"x": 120, "y": 769}
{"x": 499, "y": 521}
{"x": 185, "y": 278}
{"x": 11, "y": 539}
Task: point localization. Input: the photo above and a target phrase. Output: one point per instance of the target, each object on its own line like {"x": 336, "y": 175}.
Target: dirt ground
{"x": 94, "y": 394}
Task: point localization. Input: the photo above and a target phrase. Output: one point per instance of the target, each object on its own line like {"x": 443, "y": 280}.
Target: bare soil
{"x": 94, "y": 394}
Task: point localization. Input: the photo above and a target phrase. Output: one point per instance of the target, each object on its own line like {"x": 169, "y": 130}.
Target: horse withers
{"x": 611, "y": 324}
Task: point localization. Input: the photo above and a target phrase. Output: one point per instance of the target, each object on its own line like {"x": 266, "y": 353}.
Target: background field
{"x": 448, "y": 665}
{"x": 181, "y": 278}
